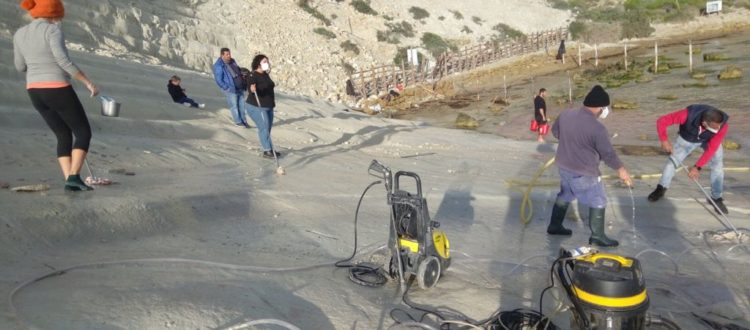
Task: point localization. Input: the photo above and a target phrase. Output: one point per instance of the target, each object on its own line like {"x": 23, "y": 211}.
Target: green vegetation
{"x": 577, "y": 30}
{"x": 457, "y": 14}
{"x": 636, "y": 24}
{"x": 350, "y": 47}
{"x": 363, "y": 7}
{"x": 325, "y": 32}
{"x": 305, "y": 5}
{"x": 387, "y": 18}
{"x": 477, "y": 20}
{"x": 348, "y": 68}
{"x": 507, "y": 32}
{"x": 441, "y": 18}
{"x": 602, "y": 20}
{"x": 435, "y": 44}
{"x": 405, "y": 29}
{"x": 466, "y": 30}
{"x": 395, "y": 31}
{"x": 418, "y": 13}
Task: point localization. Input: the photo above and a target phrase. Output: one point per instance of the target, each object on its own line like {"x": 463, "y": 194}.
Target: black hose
{"x": 660, "y": 322}
{"x": 356, "y": 215}
{"x": 364, "y": 274}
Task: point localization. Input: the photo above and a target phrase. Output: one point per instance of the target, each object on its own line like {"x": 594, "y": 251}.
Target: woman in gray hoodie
{"x": 39, "y": 50}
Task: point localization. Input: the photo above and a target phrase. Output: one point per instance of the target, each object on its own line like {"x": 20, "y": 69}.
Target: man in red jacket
{"x": 702, "y": 126}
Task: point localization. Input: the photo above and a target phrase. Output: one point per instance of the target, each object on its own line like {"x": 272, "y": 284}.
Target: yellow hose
{"x": 526, "y": 207}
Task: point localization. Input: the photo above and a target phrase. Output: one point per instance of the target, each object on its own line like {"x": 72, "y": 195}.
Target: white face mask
{"x": 265, "y": 66}
{"x": 710, "y": 129}
{"x": 604, "y": 113}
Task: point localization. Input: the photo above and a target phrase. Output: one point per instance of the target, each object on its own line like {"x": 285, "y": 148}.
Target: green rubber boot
{"x": 596, "y": 224}
{"x": 74, "y": 183}
{"x": 558, "y": 215}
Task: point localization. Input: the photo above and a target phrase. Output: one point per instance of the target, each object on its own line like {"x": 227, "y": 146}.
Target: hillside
{"x": 189, "y": 33}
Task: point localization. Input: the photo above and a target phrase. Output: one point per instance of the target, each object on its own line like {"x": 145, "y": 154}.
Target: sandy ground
{"x": 205, "y": 235}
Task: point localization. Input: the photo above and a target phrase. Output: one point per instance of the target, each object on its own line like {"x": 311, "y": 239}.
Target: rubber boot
{"x": 596, "y": 224}
{"x": 74, "y": 183}
{"x": 558, "y": 215}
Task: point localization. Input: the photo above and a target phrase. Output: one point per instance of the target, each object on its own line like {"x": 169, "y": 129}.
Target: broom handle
{"x": 85, "y": 161}
{"x": 263, "y": 112}
{"x": 724, "y": 216}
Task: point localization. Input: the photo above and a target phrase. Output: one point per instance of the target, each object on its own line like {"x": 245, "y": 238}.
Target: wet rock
{"x": 698, "y": 75}
{"x": 31, "y": 188}
{"x": 4, "y": 185}
{"x": 624, "y": 105}
{"x": 731, "y": 145}
{"x": 709, "y": 57}
{"x": 668, "y": 97}
{"x": 730, "y": 72}
{"x": 465, "y": 121}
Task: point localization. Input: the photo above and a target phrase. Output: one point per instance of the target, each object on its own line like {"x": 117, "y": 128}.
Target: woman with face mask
{"x": 261, "y": 101}
{"x": 39, "y": 51}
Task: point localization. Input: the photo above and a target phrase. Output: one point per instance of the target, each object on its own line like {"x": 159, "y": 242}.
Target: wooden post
{"x": 626, "y": 57}
{"x": 570, "y": 90}
{"x": 656, "y": 57}
{"x": 362, "y": 83}
{"x": 403, "y": 74}
{"x": 579, "y": 53}
{"x": 690, "y": 52}
{"x": 505, "y": 88}
{"x": 596, "y": 55}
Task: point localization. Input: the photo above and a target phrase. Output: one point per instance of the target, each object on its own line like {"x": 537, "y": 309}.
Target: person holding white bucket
{"x": 39, "y": 50}
{"x": 261, "y": 101}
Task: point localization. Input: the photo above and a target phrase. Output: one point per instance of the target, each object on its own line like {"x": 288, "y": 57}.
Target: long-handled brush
{"x": 679, "y": 165}
{"x": 279, "y": 169}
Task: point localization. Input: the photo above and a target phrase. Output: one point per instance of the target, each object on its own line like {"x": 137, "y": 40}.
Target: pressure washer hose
{"x": 526, "y": 205}
{"x": 252, "y": 323}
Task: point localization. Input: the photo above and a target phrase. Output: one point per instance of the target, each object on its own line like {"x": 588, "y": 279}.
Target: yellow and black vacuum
{"x": 608, "y": 291}
{"x": 417, "y": 247}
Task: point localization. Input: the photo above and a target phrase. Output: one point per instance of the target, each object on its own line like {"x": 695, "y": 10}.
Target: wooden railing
{"x": 383, "y": 78}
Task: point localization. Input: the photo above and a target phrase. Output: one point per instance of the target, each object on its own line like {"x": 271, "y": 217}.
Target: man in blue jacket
{"x": 229, "y": 78}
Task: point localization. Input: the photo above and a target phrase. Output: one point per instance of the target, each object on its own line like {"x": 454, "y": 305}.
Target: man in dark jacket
{"x": 584, "y": 142}
{"x": 700, "y": 126}
{"x": 178, "y": 93}
{"x": 229, "y": 78}
{"x": 540, "y": 112}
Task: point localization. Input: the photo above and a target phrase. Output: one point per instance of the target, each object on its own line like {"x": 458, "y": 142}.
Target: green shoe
{"x": 74, "y": 183}
{"x": 558, "y": 215}
{"x": 596, "y": 224}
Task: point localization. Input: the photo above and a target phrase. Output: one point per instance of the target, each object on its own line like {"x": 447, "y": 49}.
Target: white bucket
{"x": 110, "y": 108}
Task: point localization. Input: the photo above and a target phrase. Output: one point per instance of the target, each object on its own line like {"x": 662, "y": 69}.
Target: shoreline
{"x": 540, "y": 63}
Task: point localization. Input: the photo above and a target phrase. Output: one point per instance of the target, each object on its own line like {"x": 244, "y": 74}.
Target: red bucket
{"x": 534, "y": 125}
{"x": 543, "y": 129}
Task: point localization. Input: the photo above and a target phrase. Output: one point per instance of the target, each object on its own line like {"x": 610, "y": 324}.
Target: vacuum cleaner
{"x": 417, "y": 247}
{"x": 608, "y": 291}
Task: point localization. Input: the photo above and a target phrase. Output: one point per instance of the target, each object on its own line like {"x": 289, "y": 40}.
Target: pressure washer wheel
{"x": 428, "y": 272}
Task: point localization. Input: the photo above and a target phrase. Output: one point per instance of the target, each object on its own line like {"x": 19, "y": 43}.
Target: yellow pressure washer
{"x": 417, "y": 247}
{"x": 608, "y": 291}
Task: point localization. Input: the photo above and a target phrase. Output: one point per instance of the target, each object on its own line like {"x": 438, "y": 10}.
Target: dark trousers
{"x": 64, "y": 114}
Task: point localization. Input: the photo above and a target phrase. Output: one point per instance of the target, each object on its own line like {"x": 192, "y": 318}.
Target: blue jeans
{"x": 263, "y": 118}
{"x": 680, "y": 150}
{"x": 236, "y": 106}
{"x": 589, "y": 190}
{"x": 188, "y": 100}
